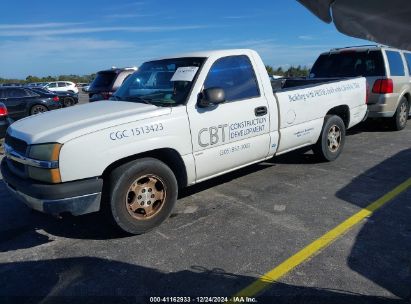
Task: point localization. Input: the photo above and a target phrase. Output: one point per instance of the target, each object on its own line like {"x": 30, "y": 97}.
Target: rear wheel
{"x": 399, "y": 120}
{"x": 142, "y": 195}
{"x": 332, "y": 139}
{"x": 36, "y": 109}
{"x": 68, "y": 101}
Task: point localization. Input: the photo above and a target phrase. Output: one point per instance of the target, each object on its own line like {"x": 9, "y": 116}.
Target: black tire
{"x": 128, "y": 190}
{"x": 326, "y": 149}
{"x": 399, "y": 120}
{"x": 1, "y": 146}
{"x": 38, "y": 108}
{"x": 68, "y": 102}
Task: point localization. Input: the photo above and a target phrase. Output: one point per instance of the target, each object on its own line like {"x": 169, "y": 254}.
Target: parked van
{"x": 387, "y": 71}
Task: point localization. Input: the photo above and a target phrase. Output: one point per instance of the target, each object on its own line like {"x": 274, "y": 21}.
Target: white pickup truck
{"x": 175, "y": 122}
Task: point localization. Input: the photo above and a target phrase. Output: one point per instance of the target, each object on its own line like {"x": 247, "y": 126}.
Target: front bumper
{"x": 77, "y": 198}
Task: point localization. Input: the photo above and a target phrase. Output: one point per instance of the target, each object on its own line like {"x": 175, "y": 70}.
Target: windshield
{"x": 162, "y": 82}
{"x": 349, "y": 64}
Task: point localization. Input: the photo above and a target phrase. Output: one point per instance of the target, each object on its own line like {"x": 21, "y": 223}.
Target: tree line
{"x": 298, "y": 71}
{"x": 73, "y": 78}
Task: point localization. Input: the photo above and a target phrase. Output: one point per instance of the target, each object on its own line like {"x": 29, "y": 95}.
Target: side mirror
{"x": 211, "y": 96}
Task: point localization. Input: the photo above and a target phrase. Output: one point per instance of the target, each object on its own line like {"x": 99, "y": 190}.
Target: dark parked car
{"x": 67, "y": 98}
{"x": 107, "y": 82}
{"x": 5, "y": 121}
{"x": 22, "y": 102}
{"x": 11, "y": 84}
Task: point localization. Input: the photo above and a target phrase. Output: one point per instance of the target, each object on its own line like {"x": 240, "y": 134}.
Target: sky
{"x": 50, "y": 37}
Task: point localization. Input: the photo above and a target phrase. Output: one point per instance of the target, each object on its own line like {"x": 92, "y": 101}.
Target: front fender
{"x": 89, "y": 155}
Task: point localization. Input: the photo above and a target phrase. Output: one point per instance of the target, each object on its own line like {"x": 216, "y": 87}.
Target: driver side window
{"x": 234, "y": 74}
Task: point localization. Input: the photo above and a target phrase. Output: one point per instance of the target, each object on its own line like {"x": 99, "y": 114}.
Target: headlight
{"x": 45, "y": 152}
{"x": 48, "y": 154}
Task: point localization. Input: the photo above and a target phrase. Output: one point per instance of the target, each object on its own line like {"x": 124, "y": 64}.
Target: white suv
{"x": 62, "y": 86}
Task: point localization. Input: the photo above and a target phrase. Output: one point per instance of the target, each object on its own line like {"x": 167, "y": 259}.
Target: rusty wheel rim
{"x": 145, "y": 197}
{"x": 334, "y": 138}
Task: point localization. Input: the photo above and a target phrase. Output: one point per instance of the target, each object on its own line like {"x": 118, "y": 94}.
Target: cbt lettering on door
{"x": 212, "y": 135}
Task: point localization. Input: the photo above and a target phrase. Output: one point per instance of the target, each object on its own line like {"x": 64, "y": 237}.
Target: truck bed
{"x": 282, "y": 84}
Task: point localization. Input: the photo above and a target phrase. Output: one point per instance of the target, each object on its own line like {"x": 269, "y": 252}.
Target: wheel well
{"x": 168, "y": 156}
{"x": 343, "y": 112}
{"x": 408, "y": 97}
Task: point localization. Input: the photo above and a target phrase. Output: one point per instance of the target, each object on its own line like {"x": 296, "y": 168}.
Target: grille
{"x": 20, "y": 167}
{"x": 16, "y": 144}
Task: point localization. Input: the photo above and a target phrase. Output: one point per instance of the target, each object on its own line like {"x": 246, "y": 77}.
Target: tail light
{"x": 3, "y": 111}
{"x": 56, "y": 98}
{"x": 383, "y": 86}
{"x": 106, "y": 95}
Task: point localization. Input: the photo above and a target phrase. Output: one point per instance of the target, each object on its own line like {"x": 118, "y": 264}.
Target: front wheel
{"x": 332, "y": 139}
{"x": 142, "y": 195}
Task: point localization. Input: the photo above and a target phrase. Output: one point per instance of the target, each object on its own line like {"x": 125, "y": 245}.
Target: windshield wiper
{"x": 138, "y": 98}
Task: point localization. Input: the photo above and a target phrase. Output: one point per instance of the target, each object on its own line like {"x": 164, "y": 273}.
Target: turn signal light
{"x": 383, "y": 86}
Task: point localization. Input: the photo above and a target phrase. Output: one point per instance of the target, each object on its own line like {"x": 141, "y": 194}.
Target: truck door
{"x": 234, "y": 133}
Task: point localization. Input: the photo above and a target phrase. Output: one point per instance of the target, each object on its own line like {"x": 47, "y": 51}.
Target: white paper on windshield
{"x": 184, "y": 74}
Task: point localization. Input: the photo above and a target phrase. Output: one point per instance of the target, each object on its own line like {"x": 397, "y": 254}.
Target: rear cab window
{"x": 395, "y": 63}
{"x": 351, "y": 63}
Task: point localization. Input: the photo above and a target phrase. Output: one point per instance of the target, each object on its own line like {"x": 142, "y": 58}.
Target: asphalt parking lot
{"x": 226, "y": 233}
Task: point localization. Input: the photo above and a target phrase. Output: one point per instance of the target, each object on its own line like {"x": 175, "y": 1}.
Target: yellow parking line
{"x": 303, "y": 255}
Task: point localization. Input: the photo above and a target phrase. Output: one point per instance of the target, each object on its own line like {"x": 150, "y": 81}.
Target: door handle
{"x": 260, "y": 111}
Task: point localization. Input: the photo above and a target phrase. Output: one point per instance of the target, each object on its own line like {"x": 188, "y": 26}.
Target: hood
{"x": 65, "y": 124}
